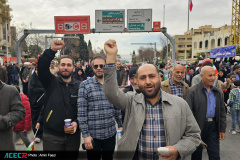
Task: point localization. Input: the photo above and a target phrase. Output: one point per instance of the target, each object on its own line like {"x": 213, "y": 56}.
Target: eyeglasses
{"x": 96, "y": 66}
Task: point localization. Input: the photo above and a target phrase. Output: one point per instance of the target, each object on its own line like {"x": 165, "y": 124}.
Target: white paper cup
{"x": 67, "y": 122}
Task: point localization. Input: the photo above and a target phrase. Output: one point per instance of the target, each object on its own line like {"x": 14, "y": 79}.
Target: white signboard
{"x": 109, "y": 20}
{"x": 139, "y": 20}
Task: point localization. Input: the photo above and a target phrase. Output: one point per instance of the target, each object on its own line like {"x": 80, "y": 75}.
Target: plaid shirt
{"x": 152, "y": 135}
{"x": 234, "y": 98}
{"x": 176, "y": 90}
{"x": 96, "y": 115}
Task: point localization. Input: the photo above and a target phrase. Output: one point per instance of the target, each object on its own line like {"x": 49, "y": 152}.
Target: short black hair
{"x": 65, "y": 56}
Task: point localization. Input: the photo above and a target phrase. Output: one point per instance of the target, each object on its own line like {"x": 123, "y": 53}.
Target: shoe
{"x": 37, "y": 140}
{"x": 238, "y": 130}
{"x": 19, "y": 143}
{"x": 232, "y": 131}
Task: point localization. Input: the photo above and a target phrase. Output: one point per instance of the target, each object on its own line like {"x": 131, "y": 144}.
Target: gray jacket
{"x": 181, "y": 128}
{"x": 11, "y": 112}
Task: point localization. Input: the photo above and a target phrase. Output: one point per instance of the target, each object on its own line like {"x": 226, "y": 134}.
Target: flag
{"x": 215, "y": 69}
{"x": 31, "y": 146}
{"x": 190, "y": 5}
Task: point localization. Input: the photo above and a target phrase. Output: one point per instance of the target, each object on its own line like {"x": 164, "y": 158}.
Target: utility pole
{"x": 164, "y": 31}
{"x": 163, "y": 15}
{"x": 7, "y": 42}
{"x": 155, "y": 49}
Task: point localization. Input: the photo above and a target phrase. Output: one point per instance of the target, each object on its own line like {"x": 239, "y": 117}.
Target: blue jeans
{"x": 235, "y": 113}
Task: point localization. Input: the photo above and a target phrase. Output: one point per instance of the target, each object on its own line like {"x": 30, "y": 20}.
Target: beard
{"x": 97, "y": 75}
{"x": 175, "y": 79}
{"x": 65, "y": 76}
{"x": 156, "y": 89}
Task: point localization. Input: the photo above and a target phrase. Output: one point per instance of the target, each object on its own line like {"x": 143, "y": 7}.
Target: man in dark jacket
{"x": 15, "y": 74}
{"x": 36, "y": 97}
{"x": 207, "y": 105}
{"x": 3, "y": 74}
{"x": 11, "y": 112}
{"x": 60, "y": 103}
{"x": 25, "y": 77}
{"x": 121, "y": 75}
{"x": 9, "y": 73}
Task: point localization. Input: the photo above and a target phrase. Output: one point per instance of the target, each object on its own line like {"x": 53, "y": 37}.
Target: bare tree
{"x": 34, "y": 43}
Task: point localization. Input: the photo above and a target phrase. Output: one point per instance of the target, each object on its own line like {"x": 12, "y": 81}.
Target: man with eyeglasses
{"x": 96, "y": 115}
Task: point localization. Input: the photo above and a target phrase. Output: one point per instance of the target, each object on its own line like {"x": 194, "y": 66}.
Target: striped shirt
{"x": 152, "y": 135}
{"x": 96, "y": 115}
{"x": 176, "y": 90}
{"x": 234, "y": 98}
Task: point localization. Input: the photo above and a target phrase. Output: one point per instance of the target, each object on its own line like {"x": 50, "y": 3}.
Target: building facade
{"x": 3, "y": 42}
{"x": 201, "y": 40}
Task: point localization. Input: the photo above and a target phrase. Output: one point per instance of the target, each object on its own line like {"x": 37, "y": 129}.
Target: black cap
{"x": 133, "y": 71}
{"x": 236, "y": 83}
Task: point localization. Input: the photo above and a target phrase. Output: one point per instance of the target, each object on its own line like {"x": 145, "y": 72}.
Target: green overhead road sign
{"x": 139, "y": 20}
{"x": 110, "y": 20}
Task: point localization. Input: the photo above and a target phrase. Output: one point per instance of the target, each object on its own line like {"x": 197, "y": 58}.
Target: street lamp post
{"x": 6, "y": 42}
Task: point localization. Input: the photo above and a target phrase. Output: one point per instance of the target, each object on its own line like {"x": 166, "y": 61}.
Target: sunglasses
{"x": 96, "y": 66}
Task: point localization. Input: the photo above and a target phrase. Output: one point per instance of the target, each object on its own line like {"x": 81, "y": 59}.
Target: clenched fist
{"x": 56, "y": 45}
{"x": 111, "y": 50}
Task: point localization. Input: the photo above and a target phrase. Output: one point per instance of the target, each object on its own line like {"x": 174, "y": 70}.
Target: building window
{"x": 226, "y": 41}
{"x": 200, "y": 44}
{"x": 181, "y": 46}
{"x": 219, "y": 42}
{"x": 4, "y": 31}
{"x": 189, "y": 39}
{"x": 197, "y": 32}
{"x": 189, "y": 45}
{"x": 181, "y": 51}
{"x": 206, "y": 44}
{"x": 181, "y": 39}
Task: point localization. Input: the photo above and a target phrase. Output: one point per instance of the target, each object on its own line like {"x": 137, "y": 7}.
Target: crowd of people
{"x": 180, "y": 107}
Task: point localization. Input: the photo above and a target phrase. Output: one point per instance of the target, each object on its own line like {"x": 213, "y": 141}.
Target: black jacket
{"x": 60, "y": 97}
{"x": 197, "y": 101}
{"x": 36, "y": 92}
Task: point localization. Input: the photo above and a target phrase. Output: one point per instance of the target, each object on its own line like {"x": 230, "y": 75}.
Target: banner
{"x": 229, "y": 51}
